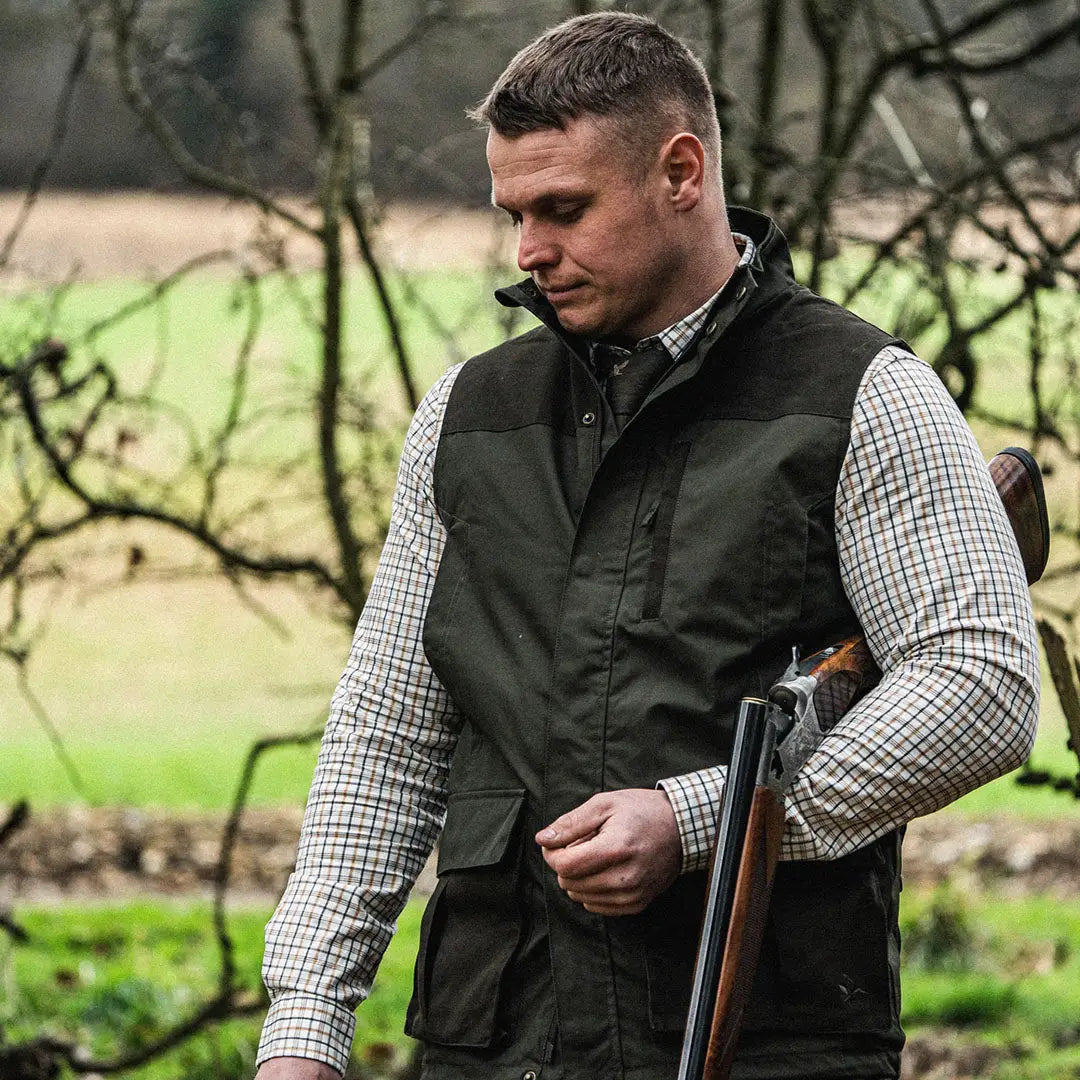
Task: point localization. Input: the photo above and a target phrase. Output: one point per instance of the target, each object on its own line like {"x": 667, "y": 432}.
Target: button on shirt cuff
{"x": 695, "y": 798}
{"x": 308, "y": 1026}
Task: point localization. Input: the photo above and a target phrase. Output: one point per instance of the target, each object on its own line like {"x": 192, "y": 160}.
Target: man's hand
{"x": 616, "y": 852}
{"x": 294, "y": 1068}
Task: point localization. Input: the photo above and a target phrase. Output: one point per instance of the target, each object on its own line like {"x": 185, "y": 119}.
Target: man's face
{"x": 596, "y": 235}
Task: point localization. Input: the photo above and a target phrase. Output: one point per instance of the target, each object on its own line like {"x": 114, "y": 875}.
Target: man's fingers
{"x": 618, "y": 904}
{"x": 591, "y": 855}
{"x": 616, "y": 852}
{"x": 576, "y": 825}
{"x": 622, "y": 877}
{"x": 632, "y": 906}
{"x": 606, "y": 893}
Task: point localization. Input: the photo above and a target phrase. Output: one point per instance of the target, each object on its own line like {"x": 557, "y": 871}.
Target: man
{"x": 605, "y": 533}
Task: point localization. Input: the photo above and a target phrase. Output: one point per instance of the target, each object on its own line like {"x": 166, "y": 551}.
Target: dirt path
{"x": 142, "y": 234}
{"x": 89, "y": 236}
{"x": 113, "y": 853}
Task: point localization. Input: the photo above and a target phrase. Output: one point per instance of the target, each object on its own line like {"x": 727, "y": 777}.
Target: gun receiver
{"x": 773, "y": 739}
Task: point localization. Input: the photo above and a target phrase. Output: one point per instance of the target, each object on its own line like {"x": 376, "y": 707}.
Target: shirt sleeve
{"x": 932, "y": 570}
{"x": 377, "y": 800}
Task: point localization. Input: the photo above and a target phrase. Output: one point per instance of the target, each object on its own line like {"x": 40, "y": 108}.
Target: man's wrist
{"x": 695, "y": 800}
{"x": 308, "y": 1027}
{"x": 296, "y": 1068}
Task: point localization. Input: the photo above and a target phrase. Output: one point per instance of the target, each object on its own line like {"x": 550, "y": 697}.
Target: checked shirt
{"x": 930, "y": 567}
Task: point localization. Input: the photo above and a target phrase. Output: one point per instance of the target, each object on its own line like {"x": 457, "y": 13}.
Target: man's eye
{"x": 567, "y": 215}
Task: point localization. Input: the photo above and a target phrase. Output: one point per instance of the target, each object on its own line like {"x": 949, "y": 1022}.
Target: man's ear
{"x": 683, "y": 158}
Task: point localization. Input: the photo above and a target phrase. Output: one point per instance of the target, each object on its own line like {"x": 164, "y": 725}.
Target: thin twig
{"x": 190, "y": 167}
{"x": 318, "y": 99}
{"x": 61, "y": 119}
{"x": 41, "y": 714}
{"x": 436, "y": 14}
{"x": 129, "y": 508}
{"x": 386, "y": 303}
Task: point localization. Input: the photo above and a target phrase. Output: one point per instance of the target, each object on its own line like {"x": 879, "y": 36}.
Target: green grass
{"x": 994, "y": 971}
{"x": 186, "y": 344}
{"x": 1010, "y": 977}
{"x": 158, "y": 692}
{"x": 114, "y": 977}
{"x": 157, "y": 689}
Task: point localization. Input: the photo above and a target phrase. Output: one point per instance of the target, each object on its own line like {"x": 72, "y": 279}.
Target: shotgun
{"x": 773, "y": 739}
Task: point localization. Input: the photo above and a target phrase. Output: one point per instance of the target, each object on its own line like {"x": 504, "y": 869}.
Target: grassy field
{"x": 113, "y": 978}
{"x": 1001, "y": 973}
{"x": 157, "y": 687}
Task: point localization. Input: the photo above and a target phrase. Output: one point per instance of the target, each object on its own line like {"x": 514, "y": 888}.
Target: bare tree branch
{"x": 97, "y": 508}
{"x": 56, "y": 141}
{"x": 438, "y": 13}
{"x": 967, "y": 112}
{"x": 317, "y": 96}
{"x": 393, "y": 323}
{"x": 919, "y": 54}
{"x": 1065, "y": 675}
{"x": 122, "y": 24}
{"x": 46, "y": 723}
{"x": 770, "y": 64}
{"x": 918, "y": 221}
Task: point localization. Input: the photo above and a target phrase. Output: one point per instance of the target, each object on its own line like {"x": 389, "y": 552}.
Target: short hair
{"x": 617, "y": 66}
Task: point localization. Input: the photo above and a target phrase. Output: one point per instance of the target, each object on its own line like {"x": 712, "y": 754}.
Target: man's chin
{"x": 587, "y": 320}
{"x": 577, "y": 321}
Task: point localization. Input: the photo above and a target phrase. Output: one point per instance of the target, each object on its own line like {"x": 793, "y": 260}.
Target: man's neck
{"x": 674, "y": 336}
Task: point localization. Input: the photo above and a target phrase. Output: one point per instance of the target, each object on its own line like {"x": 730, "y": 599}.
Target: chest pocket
{"x": 661, "y": 518}
{"x": 744, "y": 562}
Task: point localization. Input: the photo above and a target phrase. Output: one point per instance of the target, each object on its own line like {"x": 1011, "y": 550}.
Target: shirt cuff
{"x": 308, "y": 1026}
{"x": 695, "y": 797}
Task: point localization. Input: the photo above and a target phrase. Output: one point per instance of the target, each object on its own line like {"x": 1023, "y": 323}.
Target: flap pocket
{"x": 479, "y": 825}
{"x": 472, "y": 923}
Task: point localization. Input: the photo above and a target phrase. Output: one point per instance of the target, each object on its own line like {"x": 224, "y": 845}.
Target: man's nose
{"x": 535, "y": 248}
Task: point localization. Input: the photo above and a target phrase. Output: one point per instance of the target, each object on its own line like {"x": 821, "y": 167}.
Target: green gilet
{"x": 596, "y": 618}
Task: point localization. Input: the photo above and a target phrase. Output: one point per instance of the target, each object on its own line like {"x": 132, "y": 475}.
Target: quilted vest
{"x": 596, "y": 617}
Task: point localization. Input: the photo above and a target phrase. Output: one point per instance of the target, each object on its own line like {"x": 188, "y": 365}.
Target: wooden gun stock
{"x": 752, "y": 816}
{"x": 1018, "y": 480}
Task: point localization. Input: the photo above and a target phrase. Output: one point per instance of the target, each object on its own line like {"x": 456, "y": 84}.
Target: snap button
{"x": 741, "y": 293}
{"x": 588, "y": 419}
{"x": 711, "y": 329}
{"x": 530, "y": 1075}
